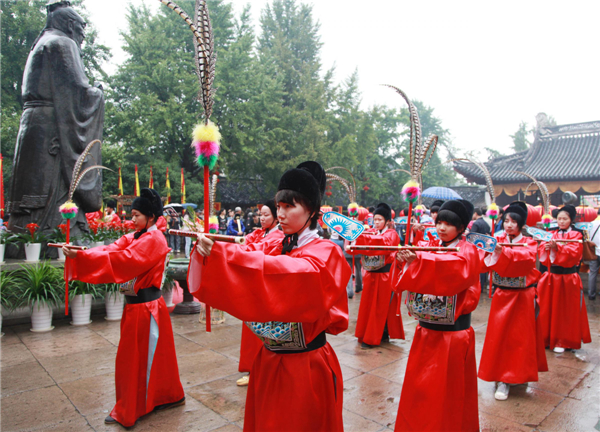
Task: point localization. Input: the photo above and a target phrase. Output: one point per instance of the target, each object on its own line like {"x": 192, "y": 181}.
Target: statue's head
{"x": 64, "y": 18}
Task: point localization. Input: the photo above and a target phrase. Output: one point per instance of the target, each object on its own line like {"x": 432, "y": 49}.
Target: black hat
{"x": 437, "y": 203}
{"x": 518, "y": 207}
{"x": 462, "y": 208}
{"x": 308, "y": 178}
{"x": 148, "y": 203}
{"x": 273, "y": 207}
{"x": 111, "y": 203}
{"x": 570, "y": 209}
{"x": 384, "y": 210}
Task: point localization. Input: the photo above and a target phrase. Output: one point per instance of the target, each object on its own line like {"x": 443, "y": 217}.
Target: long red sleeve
{"x": 122, "y": 261}
{"x": 304, "y": 286}
{"x": 388, "y": 238}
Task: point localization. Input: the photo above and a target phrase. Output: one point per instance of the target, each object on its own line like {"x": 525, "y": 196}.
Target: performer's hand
{"x": 240, "y": 233}
{"x": 69, "y": 253}
{"x": 406, "y": 256}
{"x": 418, "y": 227}
{"x": 552, "y": 244}
{"x": 498, "y": 249}
{"x": 204, "y": 245}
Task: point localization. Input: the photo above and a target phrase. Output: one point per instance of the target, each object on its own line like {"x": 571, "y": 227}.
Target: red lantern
{"x": 362, "y": 213}
{"x": 393, "y": 214}
{"x": 366, "y": 188}
{"x": 586, "y": 214}
{"x": 328, "y": 193}
{"x": 326, "y": 208}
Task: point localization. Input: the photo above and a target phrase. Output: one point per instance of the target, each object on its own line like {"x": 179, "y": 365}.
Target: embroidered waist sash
{"x": 462, "y": 323}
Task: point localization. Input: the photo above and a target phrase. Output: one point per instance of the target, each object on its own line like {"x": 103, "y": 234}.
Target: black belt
{"x": 563, "y": 270}
{"x": 385, "y": 269}
{"x": 316, "y": 343}
{"x": 514, "y": 288}
{"x": 144, "y": 295}
{"x": 37, "y": 103}
{"x": 462, "y": 323}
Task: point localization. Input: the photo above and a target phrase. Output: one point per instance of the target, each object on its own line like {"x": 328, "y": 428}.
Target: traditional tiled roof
{"x": 559, "y": 153}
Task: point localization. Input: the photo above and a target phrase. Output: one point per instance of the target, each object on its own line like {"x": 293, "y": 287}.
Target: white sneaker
{"x": 243, "y": 381}
{"x": 558, "y": 350}
{"x": 502, "y": 391}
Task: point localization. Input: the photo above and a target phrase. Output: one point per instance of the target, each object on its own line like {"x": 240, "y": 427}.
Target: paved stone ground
{"x": 64, "y": 380}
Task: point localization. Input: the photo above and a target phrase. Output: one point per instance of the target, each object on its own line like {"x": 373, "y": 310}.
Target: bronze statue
{"x": 62, "y": 113}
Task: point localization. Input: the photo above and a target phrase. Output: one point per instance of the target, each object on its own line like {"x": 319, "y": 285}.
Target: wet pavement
{"x": 64, "y": 380}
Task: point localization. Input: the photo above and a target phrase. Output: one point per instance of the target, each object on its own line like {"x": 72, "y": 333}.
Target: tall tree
{"x": 520, "y": 140}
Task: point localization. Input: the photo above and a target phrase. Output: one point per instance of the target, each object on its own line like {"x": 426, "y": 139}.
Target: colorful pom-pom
{"x": 206, "y": 143}
{"x": 353, "y": 209}
{"x": 411, "y": 191}
{"x": 213, "y": 224}
{"x": 546, "y": 220}
{"x": 493, "y": 211}
{"x": 418, "y": 210}
{"x": 68, "y": 210}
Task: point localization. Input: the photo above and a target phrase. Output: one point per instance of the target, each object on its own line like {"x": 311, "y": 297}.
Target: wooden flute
{"x": 70, "y": 246}
{"x": 213, "y": 237}
{"x": 397, "y": 248}
{"x": 513, "y": 244}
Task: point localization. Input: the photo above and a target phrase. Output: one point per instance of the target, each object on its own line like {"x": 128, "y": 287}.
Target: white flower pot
{"x": 41, "y": 317}
{"x": 114, "y": 306}
{"x": 61, "y": 254}
{"x": 1, "y": 334}
{"x": 81, "y": 309}
{"x": 168, "y": 297}
{"x": 2, "y": 247}
{"x": 32, "y": 252}
{"x": 98, "y": 243}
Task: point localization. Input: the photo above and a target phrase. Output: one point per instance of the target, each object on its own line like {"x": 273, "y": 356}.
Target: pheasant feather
{"x": 78, "y": 165}
{"x": 486, "y": 174}
{"x": 352, "y": 193}
{"x": 543, "y": 191}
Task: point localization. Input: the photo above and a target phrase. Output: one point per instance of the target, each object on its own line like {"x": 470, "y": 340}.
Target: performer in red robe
{"x": 298, "y": 294}
{"x": 563, "y": 314}
{"x": 146, "y": 373}
{"x": 251, "y": 345}
{"x": 377, "y": 319}
{"x": 110, "y": 213}
{"x": 513, "y": 351}
{"x": 440, "y": 385}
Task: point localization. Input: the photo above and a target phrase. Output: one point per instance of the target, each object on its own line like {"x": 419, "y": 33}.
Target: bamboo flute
{"x": 397, "y": 248}
{"x": 213, "y": 237}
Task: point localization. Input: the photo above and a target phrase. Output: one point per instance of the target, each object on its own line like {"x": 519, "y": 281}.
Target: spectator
{"x": 254, "y": 223}
{"x": 480, "y": 226}
{"x": 175, "y": 224}
{"x": 188, "y": 225}
{"x": 236, "y": 227}
{"x": 595, "y": 264}
{"x": 230, "y": 215}
{"x": 223, "y": 222}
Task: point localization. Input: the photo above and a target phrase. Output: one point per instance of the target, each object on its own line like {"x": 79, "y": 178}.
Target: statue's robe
{"x": 62, "y": 113}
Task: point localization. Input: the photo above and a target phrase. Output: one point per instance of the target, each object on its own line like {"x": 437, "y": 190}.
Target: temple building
{"x": 565, "y": 157}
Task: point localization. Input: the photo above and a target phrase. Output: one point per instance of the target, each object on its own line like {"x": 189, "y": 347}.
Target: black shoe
{"x": 592, "y": 298}
{"x": 170, "y": 405}
{"x": 110, "y": 420}
{"x": 385, "y": 338}
{"x": 366, "y": 346}
{"x": 358, "y": 290}
{"x": 350, "y": 297}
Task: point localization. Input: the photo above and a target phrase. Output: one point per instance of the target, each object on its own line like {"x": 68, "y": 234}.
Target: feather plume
{"x": 352, "y": 193}
{"x": 486, "y": 174}
{"x": 343, "y": 182}
{"x": 204, "y": 47}
{"x": 213, "y": 193}
{"x": 77, "y": 167}
{"x": 542, "y": 188}
{"x": 76, "y": 181}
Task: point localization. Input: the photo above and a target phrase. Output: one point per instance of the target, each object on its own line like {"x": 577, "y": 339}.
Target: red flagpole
{"x": 206, "y": 212}
{"x": 67, "y": 270}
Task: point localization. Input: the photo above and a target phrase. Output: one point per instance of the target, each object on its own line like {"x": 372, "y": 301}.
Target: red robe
{"x": 112, "y": 218}
{"x": 144, "y": 327}
{"x": 251, "y": 345}
{"x": 378, "y": 302}
{"x": 440, "y": 385}
{"x": 303, "y": 292}
{"x": 513, "y": 351}
{"x": 563, "y": 315}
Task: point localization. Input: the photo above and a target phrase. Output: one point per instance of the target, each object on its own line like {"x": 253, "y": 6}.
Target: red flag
{"x": 182, "y": 187}
{"x": 168, "y": 188}
{"x": 151, "y": 184}
{"x": 137, "y": 182}
{"x": 120, "y": 183}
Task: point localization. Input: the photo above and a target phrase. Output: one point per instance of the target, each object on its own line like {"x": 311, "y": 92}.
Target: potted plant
{"x": 59, "y": 235}
{"x": 96, "y": 234}
{"x": 6, "y": 238}
{"x": 81, "y": 295}
{"x": 32, "y": 241}
{"x": 7, "y": 293}
{"x": 167, "y": 290}
{"x": 39, "y": 286}
{"x": 113, "y": 301}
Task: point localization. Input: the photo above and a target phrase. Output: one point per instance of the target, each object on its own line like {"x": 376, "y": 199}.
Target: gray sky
{"x": 483, "y": 66}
